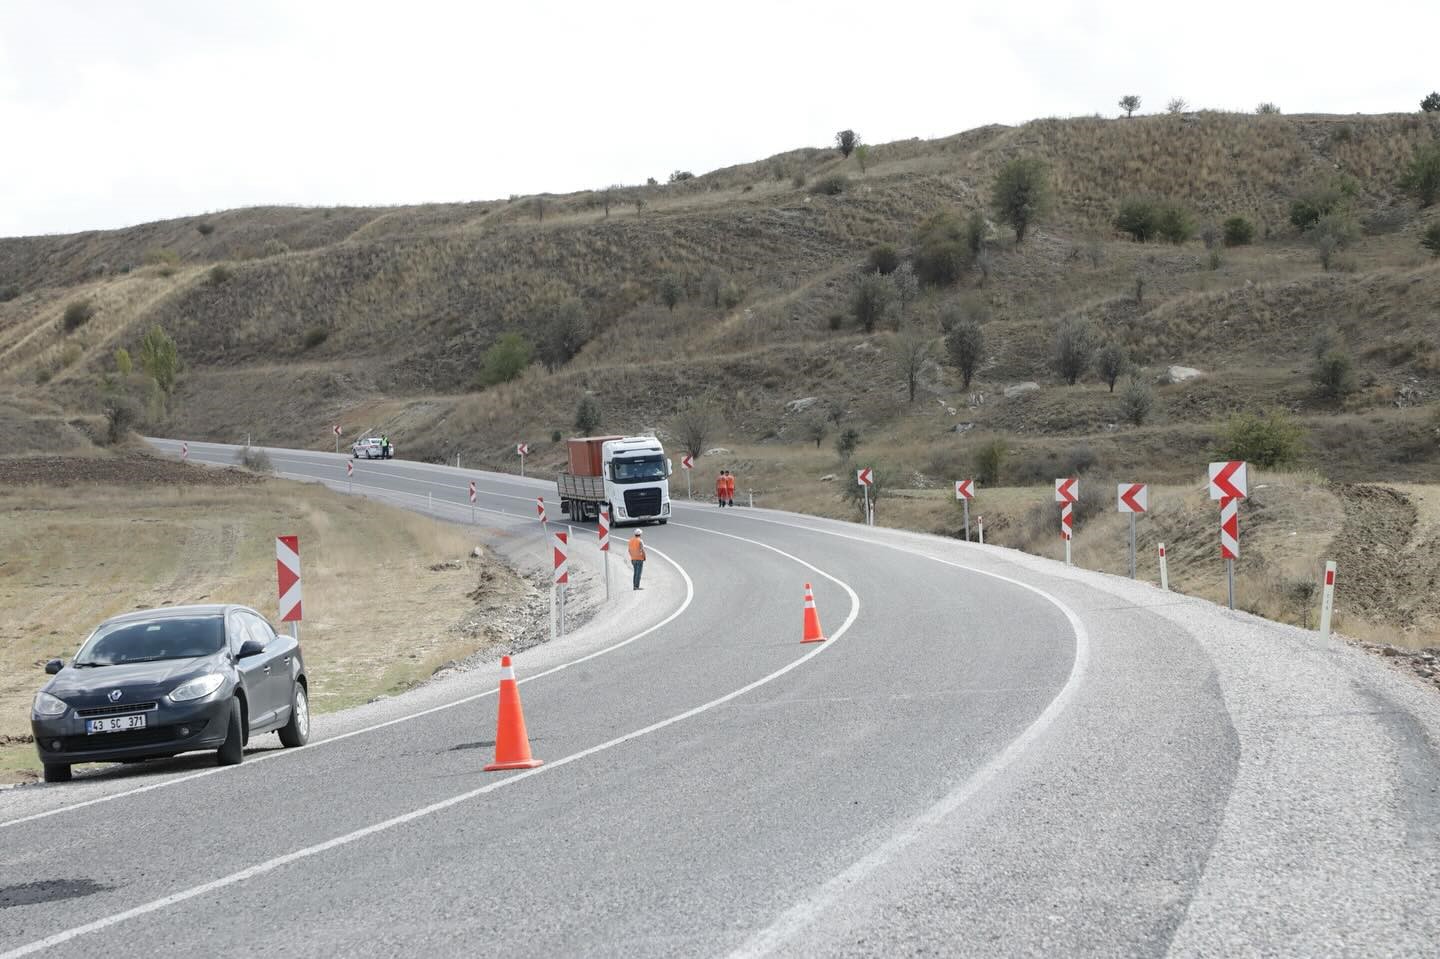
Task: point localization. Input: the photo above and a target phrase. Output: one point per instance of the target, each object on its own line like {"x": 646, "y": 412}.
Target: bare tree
{"x": 966, "y": 345}
{"x": 872, "y": 301}
{"x": 1074, "y": 344}
{"x": 910, "y": 351}
{"x": 1177, "y": 105}
{"x": 815, "y": 429}
{"x": 1111, "y": 362}
{"x": 1129, "y": 103}
{"x": 694, "y": 425}
{"x": 907, "y": 286}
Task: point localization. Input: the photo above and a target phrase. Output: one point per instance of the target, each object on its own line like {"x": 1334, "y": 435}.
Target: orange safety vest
{"x": 730, "y": 486}
{"x": 720, "y": 486}
{"x": 637, "y": 549}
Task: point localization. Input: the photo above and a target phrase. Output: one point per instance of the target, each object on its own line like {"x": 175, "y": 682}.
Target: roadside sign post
{"x": 965, "y": 492}
{"x": 866, "y": 478}
{"x": 687, "y": 463}
{"x": 184, "y": 452}
{"x": 287, "y": 576}
{"x": 1067, "y": 492}
{"x": 520, "y": 450}
{"x": 350, "y": 477}
{"x": 336, "y": 430}
{"x": 560, "y": 551}
{"x": 982, "y": 530}
{"x": 1229, "y": 483}
{"x": 1327, "y": 602}
{"x": 603, "y": 529}
{"x": 472, "y": 502}
{"x": 1164, "y": 570}
{"x": 1132, "y": 498}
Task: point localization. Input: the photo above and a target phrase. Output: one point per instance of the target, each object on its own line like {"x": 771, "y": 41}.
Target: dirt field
{"x": 389, "y": 596}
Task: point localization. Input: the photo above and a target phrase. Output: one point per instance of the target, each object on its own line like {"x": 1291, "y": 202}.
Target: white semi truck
{"x": 630, "y": 474}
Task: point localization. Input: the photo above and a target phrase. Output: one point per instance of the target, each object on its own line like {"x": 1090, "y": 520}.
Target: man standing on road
{"x": 720, "y": 488}
{"x": 637, "y": 556}
{"x": 729, "y": 488}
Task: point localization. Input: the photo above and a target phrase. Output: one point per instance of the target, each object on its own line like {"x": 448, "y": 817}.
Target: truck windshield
{"x": 638, "y": 469}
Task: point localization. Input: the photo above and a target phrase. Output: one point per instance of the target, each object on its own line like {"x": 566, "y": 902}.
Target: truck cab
{"x": 630, "y": 474}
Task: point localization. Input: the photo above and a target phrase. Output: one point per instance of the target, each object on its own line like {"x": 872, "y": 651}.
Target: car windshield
{"x": 638, "y": 469}
{"x": 146, "y": 640}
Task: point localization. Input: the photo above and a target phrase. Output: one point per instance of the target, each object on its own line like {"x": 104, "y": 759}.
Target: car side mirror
{"x": 251, "y": 647}
{"x": 54, "y": 666}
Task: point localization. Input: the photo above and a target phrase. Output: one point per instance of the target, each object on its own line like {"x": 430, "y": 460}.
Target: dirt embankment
{"x": 134, "y": 469}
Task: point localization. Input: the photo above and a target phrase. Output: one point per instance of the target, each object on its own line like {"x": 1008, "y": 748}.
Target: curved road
{"x": 991, "y": 755}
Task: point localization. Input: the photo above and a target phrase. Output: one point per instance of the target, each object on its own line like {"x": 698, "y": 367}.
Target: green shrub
{"x": 1422, "y": 177}
{"x": 832, "y": 185}
{"x": 1319, "y": 201}
{"x": 253, "y": 459}
{"x": 836, "y": 320}
{"x": 942, "y": 249}
{"x": 671, "y": 290}
{"x": 1431, "y": 103}
{"x": 219, "y": 273}
{"x": 847, "y": 442}
{"x": 1264, "y": 441}
{"x": 1267, "y": 109}
{"x": 555, "y": 436}
{"x": 1430, "y": 239}
{"x": 587, "y": 416}
{"x": 505, "y": 360}
{"x": 121, "y": 413}
{"x": 1238, "y": 231}
{"x": 1333, "y": 232}
{"x": 9, "y": 292}
{"x": 872, "y": 300}
{"x": 123, "y": 363}
{"x": 883, "y": 259}
{"x": 1074, "y": 346}
{"x": 160, "y": 358}
{"x": 731, "y": 295}
{"x": 847, "y": 141}
{"x": 274, "y": 247}
{"x": 1136, "y": 402}
{"x": 1110, "y": 362}
{"x": 1334, "y": 374}
{"x": 680, "y": 176}
{"x": 1139, "y": 217}
{"x": 77, "y": 314}
{"x": 965, "y": 344}
{"x": 70, "y": 355}
{"x": 315, "y": 336}
{"x": 205, "y": 228}
{"x": 43, "y": 375}
{"x": 1021, "y": 194}
{"x": 990, "y": 462}
{"x": 1175, "y": 224}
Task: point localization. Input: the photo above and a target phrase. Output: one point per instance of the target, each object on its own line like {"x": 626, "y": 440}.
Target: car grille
{"x": 153, "y": 736}
{"x": 642, "y": 502}
{"x": 92, "y": 711}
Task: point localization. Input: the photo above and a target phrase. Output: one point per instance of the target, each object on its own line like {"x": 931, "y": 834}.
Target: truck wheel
{"x": 664, "y": 521}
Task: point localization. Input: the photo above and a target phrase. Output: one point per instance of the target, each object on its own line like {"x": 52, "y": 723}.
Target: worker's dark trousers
{"x": 638, "y": 564}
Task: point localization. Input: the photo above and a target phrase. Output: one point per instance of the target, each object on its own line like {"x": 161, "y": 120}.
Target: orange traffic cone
{"x": 812, "y": 620}
{"x": 512, "y": 745}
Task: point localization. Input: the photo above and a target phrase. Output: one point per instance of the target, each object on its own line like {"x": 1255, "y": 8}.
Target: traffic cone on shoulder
{"x": 512, "y": 744}
{"x": 812, "y": 620}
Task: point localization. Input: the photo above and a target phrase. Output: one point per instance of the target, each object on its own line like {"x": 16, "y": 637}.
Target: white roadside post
{"x": 350, "y": 477}
{"x": 982, "y": 530}
{"x": 184, "y": 452}
{"x": 965, "y": 492}
{"x": 559, "y": 544}
{"x": 1067, "y": 491}
{"x": 866, "y": 479}
{"x": 1164, "y": 570}
{"x": 603, "y": 529}
{"x": 1229, "y": 484}
{"x": 520, "y": 450}
{"x": 287, "y": 576}
{"x": 1327, "y": 603}
{"x": 472, "y": 502}
{"x": 336, "y": 430}
{"x": 687, "y": 463}
{"x": 1132, "y": 498}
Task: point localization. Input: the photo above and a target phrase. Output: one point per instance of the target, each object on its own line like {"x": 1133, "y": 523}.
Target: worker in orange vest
{"x": 720, "y": 488}
{"x": 729, "y": 488}
{"x": 637, "y": 556}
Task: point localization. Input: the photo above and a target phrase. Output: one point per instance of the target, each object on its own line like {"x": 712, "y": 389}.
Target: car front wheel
{"x": 297, "y": 731}
{"x": 233, "y": 749}
{"x": 57, "y": 772}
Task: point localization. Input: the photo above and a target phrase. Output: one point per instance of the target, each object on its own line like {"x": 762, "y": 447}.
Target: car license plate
{"x": 114, "y": 724}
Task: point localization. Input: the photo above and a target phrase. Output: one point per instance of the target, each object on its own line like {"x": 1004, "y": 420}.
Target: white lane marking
{"x": 806, "y": 912}
{"x": 251, "y": 762}
{"x": 272, "y": 864}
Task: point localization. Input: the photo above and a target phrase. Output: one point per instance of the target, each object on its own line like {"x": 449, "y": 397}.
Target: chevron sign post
{"x": 540, "y": 509}
{"x": 287, "y": 575}
{"x": 1229, "y": 483}
{"x": 336, "y": 430}
{"x": 184, "y": 452}
{"x": 687, "y": 463}
{"x": 602, "y": 528}
{"x": 965, "y": 492}
{"x": 865, "y": 477}
{"x": 472, "y": 501}
{"x": 560, "y": 549}
{"x": 520, "y": 450}
{"x": 1067, "y": 492}
{"x": 1132, "y": 498}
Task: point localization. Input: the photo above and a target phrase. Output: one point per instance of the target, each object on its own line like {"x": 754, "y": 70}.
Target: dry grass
{"x": 78, "y": 555}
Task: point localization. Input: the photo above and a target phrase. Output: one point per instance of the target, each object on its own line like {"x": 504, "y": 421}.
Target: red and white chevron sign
{"x": 472, "y": 492}
{"x": 335, "y": 429}
{"x": 1132, "y": 497}
{"x": 184, "y": 451}
{"x": 964, "y": 489}
{"x": 561, "y": 548}
{"x": 865, "y": 477}
{"x": 603, "y": 528}
{"x": 522, "y": 448}
{"x": 349, "y": 468}
{"x": 1230, "y": 527}
{"x": 1067, "y": 521}
{"x": 287, "y": 574}
{"x": 1067, "y": 490}
{"x": 540, "y": 507}
{"x": 687, "y": 462}
{"x": 1228, "y": 479}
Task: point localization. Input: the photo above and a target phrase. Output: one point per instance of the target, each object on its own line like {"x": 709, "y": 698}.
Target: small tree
{"x": 1139, "y": 217}
{"x": 694, "y": 425}
{"x": 862, "y": 156}
{"x": 121, "y": 412}
{"x": 1074, "y": 345}
{"x": 1422, "y": 177}
{"x": 123, "y": 364}
{"x": 872, "y": 301}
{"x": 990, "y": 462}
{"x": 505, "y": 360}
{"x": 1175, "y": 224}
{"x": 1238, "y": 231}
{"x": 1136, "y": 402}
{"x": 204, "y": 228}
{"x": 815, "y": 428}
{"x": 1264, "y": 441}
{"x": 965, "y": 344}
{"x": 1021, "y": 194}
{"x": 680, "y": 176}
{"x": 1110, "y": 363}
{"x": 1431, "y": 104}
{"x": 671, "y": 290}
{"x": 1334, "y": 231}
{"x": 587, "y": 416}
{"x": 563, "y": 331}
{"x": 77, "y": 314}
{"x": 942, "y": 251}
{"x": 1177, "y": 105}
{"x": 847, "y": 141}
{"x": 1267, "y": 109}
{"x": 1129, "y": 103}
{"x": 883, "y": 259}
{"x": 910, "y": 351}
{"x": 847, "y": 442}
{"x": 907, "y": 286}
{"x": 160, "y": 359}
{"x": 1334, "y": 374}
{"x": 1430, "y": 239}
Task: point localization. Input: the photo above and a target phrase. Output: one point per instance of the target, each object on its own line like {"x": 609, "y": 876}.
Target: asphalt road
{"x": 991, "y": 755}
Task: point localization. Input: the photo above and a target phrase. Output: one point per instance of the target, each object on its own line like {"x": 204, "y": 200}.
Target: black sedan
{"x": 166, "y": 681}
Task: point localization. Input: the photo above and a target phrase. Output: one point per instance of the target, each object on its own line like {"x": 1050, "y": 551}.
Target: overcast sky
{"x": 114, "y": 112}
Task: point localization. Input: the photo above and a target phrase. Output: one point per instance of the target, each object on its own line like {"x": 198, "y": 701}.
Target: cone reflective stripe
{"x": 603, "y": 529}
{"x": 812, "y": 632}
{"x": 1230, "y": 527}
{"x": 512, "y": 742}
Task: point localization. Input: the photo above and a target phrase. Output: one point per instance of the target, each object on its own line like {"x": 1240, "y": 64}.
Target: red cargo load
{"x": 585, "y": 458}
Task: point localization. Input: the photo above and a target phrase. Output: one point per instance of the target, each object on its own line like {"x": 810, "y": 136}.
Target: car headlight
{"x": 47, "y": 705}
{"x": 196, "y": 688}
